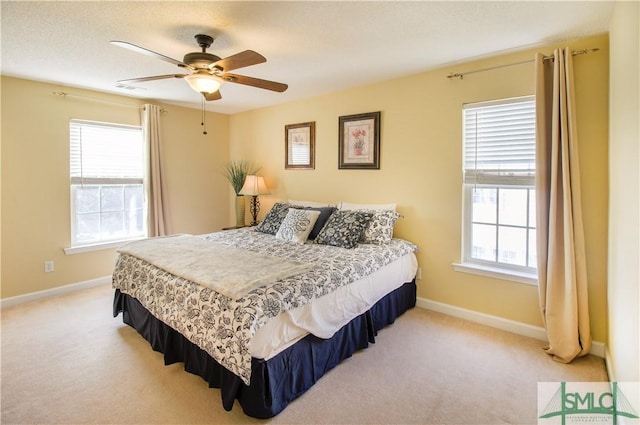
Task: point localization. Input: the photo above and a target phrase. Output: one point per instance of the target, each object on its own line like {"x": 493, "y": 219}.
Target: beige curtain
{"x": 158, "y": 213}
{"x": 562, "y": 276}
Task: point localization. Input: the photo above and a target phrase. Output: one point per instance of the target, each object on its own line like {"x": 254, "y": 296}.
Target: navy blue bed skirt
{"x": 277, "y": 381}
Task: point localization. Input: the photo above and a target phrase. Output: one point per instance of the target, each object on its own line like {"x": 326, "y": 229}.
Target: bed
{"x": 310, "y": 306}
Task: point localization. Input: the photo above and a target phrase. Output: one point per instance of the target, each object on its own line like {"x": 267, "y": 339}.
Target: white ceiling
{"x": 314, "y": 47}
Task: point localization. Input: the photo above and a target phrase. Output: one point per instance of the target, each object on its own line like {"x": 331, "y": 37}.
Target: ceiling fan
{"x": 208, "y": 71}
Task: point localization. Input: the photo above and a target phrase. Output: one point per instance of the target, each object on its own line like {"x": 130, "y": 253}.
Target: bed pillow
{"x": 297, "y": 225}
{"x": 308, "y": 203}
{"x": 325, "y": 213}
{"x": 379, "y": 231}
{"x": 348, "y": 206}
{"x": 274, "y": 218}
{"x": 344, "y": 228}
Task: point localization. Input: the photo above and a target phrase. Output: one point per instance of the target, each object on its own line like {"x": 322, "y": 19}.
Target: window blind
{"x": 499, "y": 142}
{"x": 102, "y": 153}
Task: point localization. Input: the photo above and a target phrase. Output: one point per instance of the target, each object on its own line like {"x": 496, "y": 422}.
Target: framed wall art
{"x": 299, "y": 146}
{"x": 359, "y": 141}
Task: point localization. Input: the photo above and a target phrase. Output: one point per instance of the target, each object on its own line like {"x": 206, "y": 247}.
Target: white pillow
{"x": 297, "y": 225}
{"x": 368, "y": 207}
{"x": 311, "y": 204}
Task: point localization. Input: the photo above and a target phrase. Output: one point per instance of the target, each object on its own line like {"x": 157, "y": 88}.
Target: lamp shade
{"x": 254, "y": 186}
{"x": 203, "y": 82}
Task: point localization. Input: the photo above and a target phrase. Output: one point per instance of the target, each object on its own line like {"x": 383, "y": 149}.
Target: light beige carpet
{"x": 67, "y": 360}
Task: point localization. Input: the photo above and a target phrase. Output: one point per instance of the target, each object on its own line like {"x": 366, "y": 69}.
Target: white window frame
{"x": 79, "y": 177}
{"x": 480, "y": 176}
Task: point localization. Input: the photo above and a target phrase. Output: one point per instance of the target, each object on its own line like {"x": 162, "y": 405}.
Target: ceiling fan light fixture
{"x": 208, "y": 71}
{"x": 203, "y": 82}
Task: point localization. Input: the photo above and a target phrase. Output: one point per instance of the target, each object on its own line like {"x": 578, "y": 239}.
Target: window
{"x": 499, "y": 185}
{"x": 107, "y": 188}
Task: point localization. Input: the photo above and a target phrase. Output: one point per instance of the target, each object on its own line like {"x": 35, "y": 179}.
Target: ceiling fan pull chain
{"x": 203, "y": 123}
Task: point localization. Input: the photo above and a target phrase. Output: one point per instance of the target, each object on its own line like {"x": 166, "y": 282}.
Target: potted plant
{"x": 236, "y": 172}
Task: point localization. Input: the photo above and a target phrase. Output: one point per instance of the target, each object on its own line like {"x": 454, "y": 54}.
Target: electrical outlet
{"x": 419, "y": 273}
{"x": 48, "y": 266}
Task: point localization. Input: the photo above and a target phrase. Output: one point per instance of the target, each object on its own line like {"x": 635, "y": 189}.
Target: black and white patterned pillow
{"x": 380, "y": 228}
{"x": 344, "y": 228}
{"x": 297, "y": 225}
{"x": 325, "y": 213}
{"x": 274, "y": 218}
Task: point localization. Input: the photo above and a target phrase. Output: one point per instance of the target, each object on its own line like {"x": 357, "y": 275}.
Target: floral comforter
{"x": 223, "y": 327}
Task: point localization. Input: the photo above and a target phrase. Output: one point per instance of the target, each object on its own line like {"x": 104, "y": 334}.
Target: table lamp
{"x": 254, "y": 186}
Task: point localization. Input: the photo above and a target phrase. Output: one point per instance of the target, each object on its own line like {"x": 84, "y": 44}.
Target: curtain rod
{"x": 95, "y": 99}
{"x": 460, "y": 75}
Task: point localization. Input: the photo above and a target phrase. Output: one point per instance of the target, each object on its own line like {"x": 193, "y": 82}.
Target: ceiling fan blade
{"x": 255, "y": 82}
{"x": 155, "y": 77}
{"x": 213, "y": 96}
{"x": 147, "y": 52}
{"x": 239, "y": 60}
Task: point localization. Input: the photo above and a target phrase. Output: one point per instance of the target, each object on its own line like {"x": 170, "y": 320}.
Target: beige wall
{"x": 198, "y": 191}
{"x": 624, "y": 202}
{"x": 35, "y": 179}
{"x": 421, "y": 168}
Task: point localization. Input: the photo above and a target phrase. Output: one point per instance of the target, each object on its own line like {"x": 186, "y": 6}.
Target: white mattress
{"x": 328, "y": 314}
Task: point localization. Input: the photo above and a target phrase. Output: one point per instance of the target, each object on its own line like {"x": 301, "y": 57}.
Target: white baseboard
{"x": 33, "y": 296}
{"x": 611, "y": 371}
{"x": 597, "y": 348}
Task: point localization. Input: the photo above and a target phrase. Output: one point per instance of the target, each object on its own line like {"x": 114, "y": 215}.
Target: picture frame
{"x": 300, "y": 146}
{"x": 359, "y": 141}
